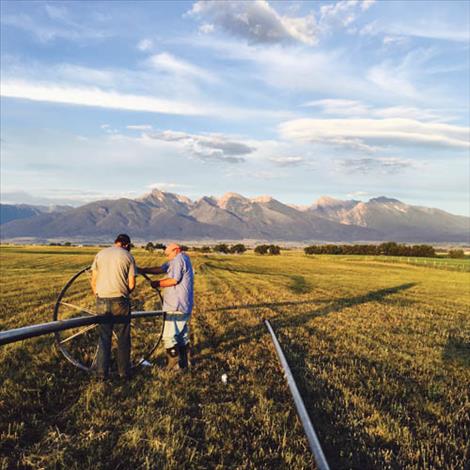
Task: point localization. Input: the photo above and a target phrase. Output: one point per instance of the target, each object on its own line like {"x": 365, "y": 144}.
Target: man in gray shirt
{"x": 113, "y": 279}
{"x": 177, "y": 302}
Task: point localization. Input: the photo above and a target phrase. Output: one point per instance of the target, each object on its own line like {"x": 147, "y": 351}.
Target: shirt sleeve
{"x": 176, "y": 269}
{"x": 132, "y": 268}
{"x": 165, "y": 267}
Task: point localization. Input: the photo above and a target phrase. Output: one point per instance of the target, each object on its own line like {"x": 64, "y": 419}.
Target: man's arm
{"x": 131, "y": 282}
{"x": 93, "y": 281}
{"x": 154, "y": 270}
{"x": 167, "y": 282}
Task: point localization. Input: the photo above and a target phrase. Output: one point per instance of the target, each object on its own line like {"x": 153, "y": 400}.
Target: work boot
{"x": 173, "y": 358}
{"x": 183, "y": 362}
{"x": 190, "y": 355}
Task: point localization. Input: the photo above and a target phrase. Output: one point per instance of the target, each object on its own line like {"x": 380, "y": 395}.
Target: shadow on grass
{"x": 457, "y": 350}
{"x": 333, "y": 430}
{"x": 299, "y": 285}
{"x": 238, "y": 334}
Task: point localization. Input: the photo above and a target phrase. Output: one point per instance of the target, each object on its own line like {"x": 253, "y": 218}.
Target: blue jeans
{"x": 176, "y": 329}
{"x": 115, "y": 307}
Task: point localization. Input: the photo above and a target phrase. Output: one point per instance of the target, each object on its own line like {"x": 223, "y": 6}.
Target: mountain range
{"x": 163, "y": 216}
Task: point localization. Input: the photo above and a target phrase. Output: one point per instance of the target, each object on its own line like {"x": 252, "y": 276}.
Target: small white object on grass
{"x": 224, "y": 378}
{"x": 146, "y": 363}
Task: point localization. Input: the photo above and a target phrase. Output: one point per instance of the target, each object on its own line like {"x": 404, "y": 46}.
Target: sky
{"x": 351, "y": 99}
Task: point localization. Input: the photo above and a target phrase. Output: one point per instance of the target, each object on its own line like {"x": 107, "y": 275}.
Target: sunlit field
{"x": 380, "y": 351}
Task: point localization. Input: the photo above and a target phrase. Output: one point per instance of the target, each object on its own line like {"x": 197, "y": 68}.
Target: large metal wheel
{"x": 80, "y": 345}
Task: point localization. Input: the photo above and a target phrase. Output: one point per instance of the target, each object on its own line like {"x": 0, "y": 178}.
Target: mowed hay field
{"x": 380, "y": 351}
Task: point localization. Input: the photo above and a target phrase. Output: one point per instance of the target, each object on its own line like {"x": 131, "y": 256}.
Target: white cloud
{"x": 206, "y": 28}
{"x": 287, "y": 161}
{"x": 140, "y": 127}
{"x": 145, "y": 45}
{"x": 169, "y": 63}
{"x": 256, "y": 21}
{"x": 392, "y": 79}
{"x": 56, "y": 12}
{"x": 355, "y": 108}
{"x": 383, "y": 165}
{"x": 428, "y": 28}
{"x": 358, "y": 194}
{"x": 207, "y": 147}
{"x": 395, "y": 40}
{"x": 344, "y": 12}
{"x": 58, "y": 26}
{"x": 167, "y": 186}
{"x": 340, "y": 107}
{"x": 359, "y": 132}
{"x": 56, "y": 93}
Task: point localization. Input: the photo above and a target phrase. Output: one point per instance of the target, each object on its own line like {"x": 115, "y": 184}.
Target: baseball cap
{"x": 123, "y": 238}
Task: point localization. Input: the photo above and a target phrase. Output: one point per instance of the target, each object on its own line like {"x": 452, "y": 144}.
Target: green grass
{"x": 380, "y": 351}
{"x": 448, "y": 264}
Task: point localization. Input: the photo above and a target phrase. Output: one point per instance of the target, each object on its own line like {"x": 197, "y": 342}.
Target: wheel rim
{"x": 80, "y": 345}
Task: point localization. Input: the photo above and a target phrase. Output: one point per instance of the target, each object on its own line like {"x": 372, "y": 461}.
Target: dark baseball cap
{"x": 123, "y": 238}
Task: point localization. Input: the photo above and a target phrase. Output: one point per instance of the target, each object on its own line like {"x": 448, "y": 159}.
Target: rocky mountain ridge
{"x": 162, "y": 215}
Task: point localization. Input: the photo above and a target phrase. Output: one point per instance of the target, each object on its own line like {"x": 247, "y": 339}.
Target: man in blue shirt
{"x": 178, "y": 301}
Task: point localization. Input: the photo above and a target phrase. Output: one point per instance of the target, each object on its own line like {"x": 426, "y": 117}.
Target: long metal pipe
{"x": 313, "y": 441}
{"x": 18, "y": 334}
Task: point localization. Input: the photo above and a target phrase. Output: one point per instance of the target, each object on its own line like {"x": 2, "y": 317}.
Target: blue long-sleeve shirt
{"x": 179, "y": 298}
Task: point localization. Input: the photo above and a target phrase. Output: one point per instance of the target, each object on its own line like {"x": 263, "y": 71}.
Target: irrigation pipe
{"x": 313, "y": 441}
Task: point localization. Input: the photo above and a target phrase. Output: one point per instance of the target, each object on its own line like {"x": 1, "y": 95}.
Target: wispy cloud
{"x": 169, "y": 63}
{"x": 54, "y": 22}
{"x": 139, "y": 127}
{"x": 344, "y": 12}
{"x": 340, "y": 107}
{"x": 145, "y": 44}
{"x": 355, "y": 108}
{"x": 208, "y": 147}
{"x": 428, "y": 28}
{"x": 287, "y": 161}
{"x": 255, "y": 21}
{"x": 96, "y": 97}
{"x": 167, "y": 186}
{"x": 375, "y": 165}
{"x": 360, "y": 132}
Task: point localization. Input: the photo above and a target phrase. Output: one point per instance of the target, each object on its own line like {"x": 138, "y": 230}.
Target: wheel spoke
{"x": 83, "y": 330}
{"x": 93, "y": 362}
{"x": 76, "y": 307}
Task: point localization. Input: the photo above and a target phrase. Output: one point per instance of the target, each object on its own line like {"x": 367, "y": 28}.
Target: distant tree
{"x": 426, "y": 251}
{"x": 311, "y": 250}
{"x": 149, "y": 247}
{"x": 184, "y": 248}
{"x": 239, "y": 248}
{"x": 67, "y": 244}
{"x": 205, "y": 249}
{"x": 456, "y": 254}
{"x": 274, "y": 250}
{"x": 221, "y": 248}
{"x": 388, "y": 249}
{"x": 159, "y": 246}
{"x": 262, "y": 249}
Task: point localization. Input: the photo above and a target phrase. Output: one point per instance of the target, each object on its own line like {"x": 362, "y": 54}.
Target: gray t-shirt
{"x": 113, "y": 267}
{"x": 179, "y": 298}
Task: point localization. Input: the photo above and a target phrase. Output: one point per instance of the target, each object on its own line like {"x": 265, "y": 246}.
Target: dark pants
{"x": 120, "y": 309}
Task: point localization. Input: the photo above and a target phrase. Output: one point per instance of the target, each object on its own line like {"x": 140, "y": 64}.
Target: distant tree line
{"x": 238, "y": 248}
{"x": 154, "y": 246}
{"x": 456, "y": 254}
{"x": 385, "y": 249}
{"x": 268, "y": 250}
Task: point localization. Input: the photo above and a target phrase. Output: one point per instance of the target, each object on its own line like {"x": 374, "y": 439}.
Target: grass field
{"x": 380, "y": 351}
